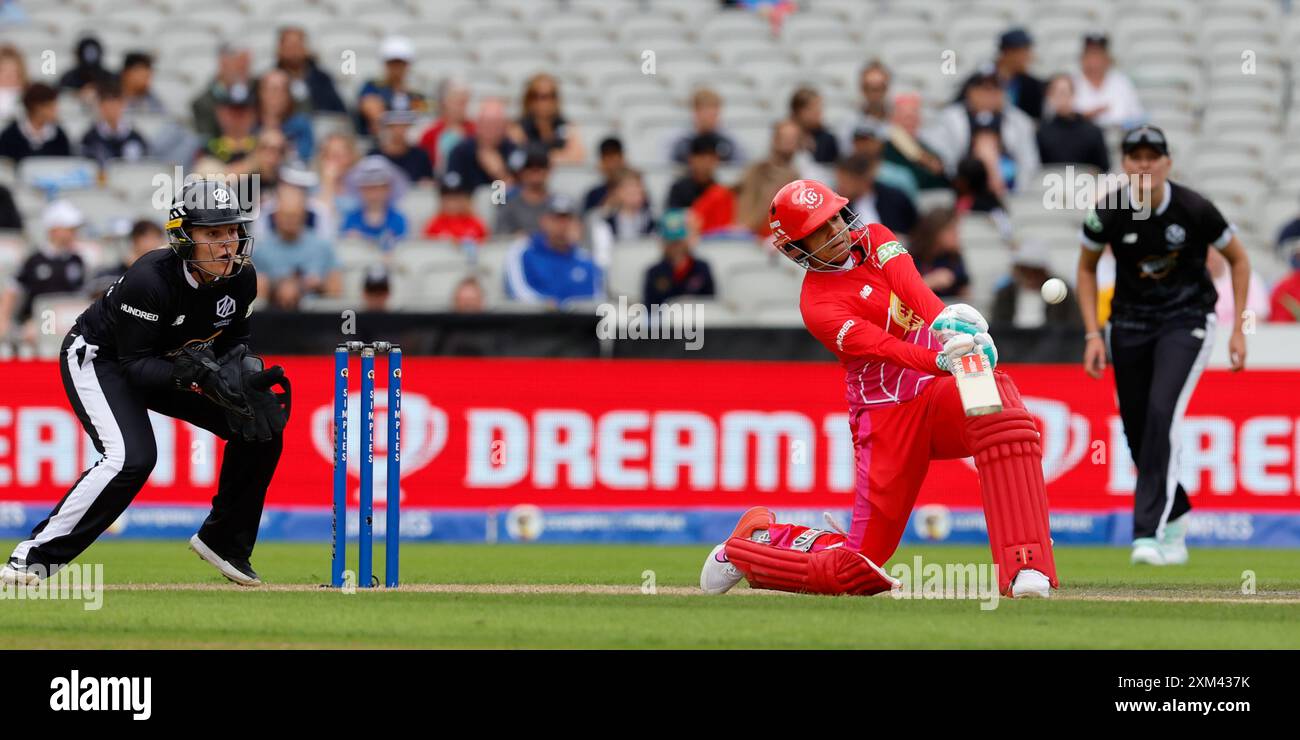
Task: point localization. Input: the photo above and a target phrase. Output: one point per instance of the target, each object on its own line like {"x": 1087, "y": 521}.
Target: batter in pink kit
{"x": 864, "y": 300}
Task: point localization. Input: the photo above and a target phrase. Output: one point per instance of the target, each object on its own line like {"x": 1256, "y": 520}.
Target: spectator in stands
{"x": 1023, "y": 90}
{"x": 89, "y": 69}
{"x": 936, "y": 250}
{"x": 486, "y": 156}
{"x": 375, "y": 288}
{"x": 233, "y": 70}
{"x": 392, "y": 92}
{"x": 713, "y": 204}
{"x": 873, "y": 202}
{"x": 312, "y": 89}
{"x": 1257, "y": 297}
{"x": 869, "y": 141}
{"x": 455, "y": 219}
{"x": 1018, "y": 303}
{"x": 111, "y": 136}
{"x": 275, "y": 111}
{"x": 13, "y": 80}
{"x": 680, "y": 272}
{"x": 547, "y": 266}
{"x": 874, "y": 111}
{"x": 292, "y": 260}
{"x": 1064, "y": 136}
{"x": 817, "y": 140}
{"x": 338, "y": 154}
{"x": 543, "y": 123}
{"x": 625, "y": 215}
{"x": 268, "y": 160}
{"x": 452, "y": 125}
{"x": 1285, "y": 301}
{"x": 52, "y": 268}
{"x": 378, "y": 184}
{"x": 973, "y": 191}
{"x": 36, "y": 131}
{"x": 904, "y": 148}
{"x": 234, "y": 141}
{"x": 984, "y": 126}
{"x": 706, "y": 116}
{"x": 321, "y": 217}
{"x": 1104, "y": 94}
{"x": 10, "y": 216}
{"x": 467, "y": 296}
{"x": 137, "y": 81}
{"x": 394, "y": 144}
{"x": 612, "y": 162}
{"x": 527, "y": 201}
{"x": 762, "y": 179}
{"x": 145, "y": 236}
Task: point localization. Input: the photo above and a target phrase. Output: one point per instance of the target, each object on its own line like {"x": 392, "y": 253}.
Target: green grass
{"x": 1199, "y": 606}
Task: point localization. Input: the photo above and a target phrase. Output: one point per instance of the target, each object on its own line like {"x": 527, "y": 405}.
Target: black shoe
{"x": 238, "y": 571}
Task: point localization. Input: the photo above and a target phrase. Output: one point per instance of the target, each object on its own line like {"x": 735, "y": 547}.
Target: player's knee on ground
{"x": 832, "y": 571}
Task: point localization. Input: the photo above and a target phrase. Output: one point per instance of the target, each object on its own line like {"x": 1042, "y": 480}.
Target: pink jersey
{"x": 875, "y": 318}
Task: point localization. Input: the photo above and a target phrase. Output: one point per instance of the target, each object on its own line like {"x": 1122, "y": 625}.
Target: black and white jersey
{"x": 157, "y": 308}
{"x": 1160, "y": 273}
{"x": 48, "y": 271}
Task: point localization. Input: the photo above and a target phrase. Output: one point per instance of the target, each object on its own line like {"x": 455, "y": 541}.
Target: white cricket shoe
{"x": 1146, "y": 551}
{"x": 718, "y": 574}
{"x": 14, "y": 574}
{"x": 1031, "y": 584}
{"x": 244, "y": 576}
{"x": 1173, "y": 543}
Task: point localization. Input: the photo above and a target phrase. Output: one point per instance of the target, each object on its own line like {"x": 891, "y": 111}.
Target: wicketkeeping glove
{"x": 199, "y": 371}
{"x": 270, "y": 410}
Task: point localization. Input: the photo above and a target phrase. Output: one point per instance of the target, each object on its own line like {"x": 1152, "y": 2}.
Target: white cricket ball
{"x": 1054, "y": 290}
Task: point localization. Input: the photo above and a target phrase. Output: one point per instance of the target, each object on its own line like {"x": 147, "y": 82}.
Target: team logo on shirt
{"x": 1174, "y": 236}
{"x": 226, "y": 305}
{"x": 1156, "y": 267}
{"x": 905, "y": 317}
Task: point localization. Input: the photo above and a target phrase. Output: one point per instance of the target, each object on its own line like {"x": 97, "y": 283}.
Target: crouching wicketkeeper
{"x": 171, "y": 336}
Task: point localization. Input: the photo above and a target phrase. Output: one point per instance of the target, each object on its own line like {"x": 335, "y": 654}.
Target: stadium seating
{"x": 1232, "y": 120}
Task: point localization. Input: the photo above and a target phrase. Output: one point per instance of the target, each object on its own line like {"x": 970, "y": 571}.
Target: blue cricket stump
{"x": 393, "y": 521}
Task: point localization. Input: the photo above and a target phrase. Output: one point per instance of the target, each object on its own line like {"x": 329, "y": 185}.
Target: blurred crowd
{"x": 487, "y": 171}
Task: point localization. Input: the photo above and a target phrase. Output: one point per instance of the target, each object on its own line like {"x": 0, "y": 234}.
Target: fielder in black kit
{"x": 1162, "y": 326}
{"x": 171, "y": 336}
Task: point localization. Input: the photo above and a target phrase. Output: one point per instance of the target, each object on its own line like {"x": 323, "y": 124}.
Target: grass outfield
{"x": 590, "y": 596}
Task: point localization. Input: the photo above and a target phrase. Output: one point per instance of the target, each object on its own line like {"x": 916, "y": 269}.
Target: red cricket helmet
{"x": 800, "y": 208}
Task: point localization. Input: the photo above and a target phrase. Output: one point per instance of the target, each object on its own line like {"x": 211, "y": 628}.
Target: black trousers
{"x": 1155, "y": 373}
{"x": 115, "y": 414}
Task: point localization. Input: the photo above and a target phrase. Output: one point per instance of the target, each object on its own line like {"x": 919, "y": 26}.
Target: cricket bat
{"x": 975, "y": 384}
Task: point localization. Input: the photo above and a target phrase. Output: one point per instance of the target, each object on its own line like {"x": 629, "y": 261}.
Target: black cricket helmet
{"x": 208, "y": 203}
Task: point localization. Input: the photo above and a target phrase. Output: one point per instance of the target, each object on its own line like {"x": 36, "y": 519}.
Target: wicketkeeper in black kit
{"x": 171, "y": 336}
{"x": 1162, "y": 326}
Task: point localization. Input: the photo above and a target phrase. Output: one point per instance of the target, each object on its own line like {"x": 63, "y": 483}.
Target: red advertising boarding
{"x": 565, "y": 433}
